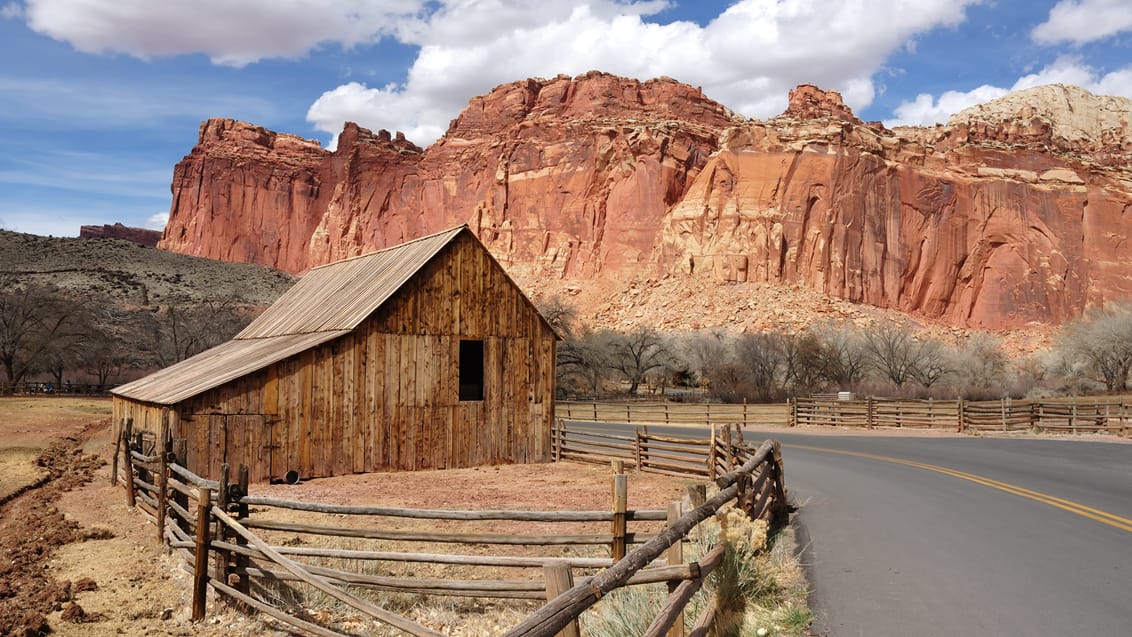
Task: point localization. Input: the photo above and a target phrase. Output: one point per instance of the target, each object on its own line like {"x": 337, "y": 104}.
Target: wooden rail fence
{"x": 707, "y": 457}
{"x": 1075, "y": 415}
{"x": 233, "y": 542}
{"x": 669, "y": 413}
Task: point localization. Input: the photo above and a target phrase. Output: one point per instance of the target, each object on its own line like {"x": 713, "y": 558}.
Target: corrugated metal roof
{"x": 221, "y": 364}
{"x": 328, "y": 302}
{"x": 341, "y": 295}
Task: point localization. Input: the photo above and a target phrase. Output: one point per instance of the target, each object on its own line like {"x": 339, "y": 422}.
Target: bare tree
{"x": 108, "y": 351}
{"x": 35, "y": 320}
{"x": 893, "y": 352}
{"x": 846, "y": 358}
{"x": 1100, "y": 345}
{"x": 766, "y": 357}
{"x": 561, "y": 315}
{"x": 583, "y": 361}
{"x": 980, "y": 366}
{"x": 179, "y": 329}
{"x": 806, "y": 363}
{"x": 636, "y": 354}
{"x": 901, "y": 356}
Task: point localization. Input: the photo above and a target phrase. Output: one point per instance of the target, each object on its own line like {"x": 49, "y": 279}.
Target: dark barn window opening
{"x": 471, "y": 370}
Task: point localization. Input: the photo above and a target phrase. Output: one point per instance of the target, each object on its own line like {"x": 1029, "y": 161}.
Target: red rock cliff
{"x": 140, "y": 236}
{"x": 1014, "y": 212}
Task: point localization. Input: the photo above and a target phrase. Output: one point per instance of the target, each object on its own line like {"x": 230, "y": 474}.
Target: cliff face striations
{"x": 565, "y": 176}
{"x": 1014, "y": 212}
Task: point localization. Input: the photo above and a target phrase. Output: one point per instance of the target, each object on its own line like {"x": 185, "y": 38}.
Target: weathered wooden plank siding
{"x": 386, "y": 397}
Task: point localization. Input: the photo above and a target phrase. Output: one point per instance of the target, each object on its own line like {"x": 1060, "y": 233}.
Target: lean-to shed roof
{"x": 328, "y": 302}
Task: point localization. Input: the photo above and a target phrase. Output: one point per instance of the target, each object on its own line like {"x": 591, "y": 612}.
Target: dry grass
{"x": 18, "y": 471}
{"x": 760, "y": 587}
{"x": 29, "y": 424}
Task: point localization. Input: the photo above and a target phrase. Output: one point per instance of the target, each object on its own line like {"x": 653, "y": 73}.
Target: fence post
{"x": 792, "y": 403}
{"x": 675, "y": 555}
{"x": 712, "y": 455}
{"x": 180, "y": 452}
{"x": 117, "y": 450}
{"x": 637, "y": 444}
{"x": 559, "y": 579}
{"x": 745, "y": 423}
{"x": 620, "y": 505}
{"x": 730, "y": 449}
{"x": 960, "y": 415}
{"x": 1004, "y": 405}
{"x": 131, "y": 492}
{"x": 200, "y": 564}
{"x": 781, "y": 507}
{"x": 870, "y": 411}
{"x": 220, "y": 565}
{"x": 162, "y": 474}
{"x": 244, "y": 585}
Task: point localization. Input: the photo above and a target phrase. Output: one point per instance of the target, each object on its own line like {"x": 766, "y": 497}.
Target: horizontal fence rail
{"x": 669, "y": 413}
{"x": 54, "y": 389}
{"x": 1075, "y": 415}
{"x": 707, "y": 457}
{"x": 245, "y": 548}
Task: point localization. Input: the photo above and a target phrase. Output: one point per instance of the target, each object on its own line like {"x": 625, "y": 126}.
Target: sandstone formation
{"x": 140, "y": 236}
{"x": 1013, "y": 213}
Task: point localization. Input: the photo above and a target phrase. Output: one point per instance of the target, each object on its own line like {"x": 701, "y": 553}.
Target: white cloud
{"x": 748, "y": 58}
{"x": 11, "y": 10}
{"x": 157, "y": 221}
{"x": 233, "y": 33}
{"x": 1083, "y": 21}
{"x": 926, "y": 110}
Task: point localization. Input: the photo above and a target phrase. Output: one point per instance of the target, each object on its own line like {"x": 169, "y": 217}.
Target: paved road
{"x": 909, "y": 536}
{"x": 963, "y": 536}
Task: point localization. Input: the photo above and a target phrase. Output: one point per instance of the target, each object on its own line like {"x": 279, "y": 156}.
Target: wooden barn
{"x": 420, "y": 356}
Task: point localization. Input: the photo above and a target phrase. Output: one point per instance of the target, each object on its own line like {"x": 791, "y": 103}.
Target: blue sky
{"x": 99, "y": 99}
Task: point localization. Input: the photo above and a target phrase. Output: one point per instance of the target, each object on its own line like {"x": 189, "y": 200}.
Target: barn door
{"x": 249, "y": 440}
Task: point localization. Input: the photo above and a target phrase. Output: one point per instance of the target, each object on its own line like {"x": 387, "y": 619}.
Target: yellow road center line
{"x": 1082, "y": 510}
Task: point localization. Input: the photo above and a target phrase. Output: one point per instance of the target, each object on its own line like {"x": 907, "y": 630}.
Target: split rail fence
{"x": 1068, "y": 415}
{"x": 1073, "y": 415}
{"x": 708, "y": 458}
{"x": 669, "y": 413}
{"x": 238, "y": 544}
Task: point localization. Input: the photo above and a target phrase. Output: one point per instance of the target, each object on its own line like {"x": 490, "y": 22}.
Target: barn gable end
{"x": 378, "y": 389}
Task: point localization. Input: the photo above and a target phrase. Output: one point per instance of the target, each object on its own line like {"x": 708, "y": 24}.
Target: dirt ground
{"x": 74, "y": 560}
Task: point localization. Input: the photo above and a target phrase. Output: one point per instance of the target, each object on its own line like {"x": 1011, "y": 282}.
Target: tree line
{"x": 50, "y": 333}
{"x": 884, "y": 358}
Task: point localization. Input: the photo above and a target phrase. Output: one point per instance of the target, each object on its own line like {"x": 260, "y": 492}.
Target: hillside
{"x": 132, "y": 274}
{"x": 609, "y": 191}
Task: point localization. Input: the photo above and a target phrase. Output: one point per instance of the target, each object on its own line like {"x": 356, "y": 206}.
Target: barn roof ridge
{"x": 454, "y": 230}
{"x": 342, "y": 294}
